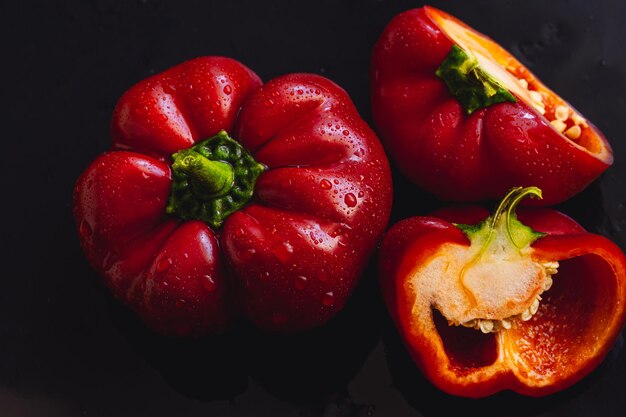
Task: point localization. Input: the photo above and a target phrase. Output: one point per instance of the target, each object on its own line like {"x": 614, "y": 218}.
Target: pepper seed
{"x": 578, "y": 120}
{"x": 486, "y": 326}
{"x": 536, "y": 96}
{"x": 558, "y": 125}
{"x": 573, "y": 132}
{"x": 561, "y": 113}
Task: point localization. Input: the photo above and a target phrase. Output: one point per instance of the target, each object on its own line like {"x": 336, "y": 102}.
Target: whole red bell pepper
{"x": 222, "y": 195}
{"x": 467, "y": 121}
{"x": 480, "y": 309}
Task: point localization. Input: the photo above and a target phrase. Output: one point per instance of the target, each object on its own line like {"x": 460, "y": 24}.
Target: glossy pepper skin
{"x": 576, "y": 324}
{"x": 289, "y": 258}
{"x": 465, "y": 157}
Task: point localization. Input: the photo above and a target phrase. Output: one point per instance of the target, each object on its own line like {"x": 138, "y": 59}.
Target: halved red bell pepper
{"x": 480, "y": 309}
{"x": 188, "y": 225}
{"x": 466, "y": 121}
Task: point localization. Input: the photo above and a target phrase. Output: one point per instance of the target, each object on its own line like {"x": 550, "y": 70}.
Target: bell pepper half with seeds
{"x": 528, "y": 302}
{"x": 466, "y": 121}
{"x": 221, "y": 196}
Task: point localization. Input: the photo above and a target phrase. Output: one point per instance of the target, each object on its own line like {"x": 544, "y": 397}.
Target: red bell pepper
{"x": 480, "y": 309}
{"x": 189, "y": 226}
{"x": 467, "y": 121}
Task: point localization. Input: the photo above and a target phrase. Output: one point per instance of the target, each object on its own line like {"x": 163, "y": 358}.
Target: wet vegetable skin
{"x": 222, "y": 196}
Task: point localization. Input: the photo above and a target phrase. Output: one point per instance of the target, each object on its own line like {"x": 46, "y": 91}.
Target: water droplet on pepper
{"x": 350, "y": 200}
{"x": 279, "y": 318}
{"x": 163, "y": 264}
{"x": 328, "y": 299}
{"x": 85, "y": 229}
{"x": 247, "y": 254}
{"x": 208, "y": 283}
{"x": 283, "y": 251}
{"x": 300, "y": 283}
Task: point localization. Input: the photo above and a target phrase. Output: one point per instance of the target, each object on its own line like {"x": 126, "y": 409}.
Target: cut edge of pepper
{"x": 525, "y": 86}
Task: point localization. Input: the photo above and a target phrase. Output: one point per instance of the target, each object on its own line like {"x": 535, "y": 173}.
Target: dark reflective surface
{"x": 67, "y": 348}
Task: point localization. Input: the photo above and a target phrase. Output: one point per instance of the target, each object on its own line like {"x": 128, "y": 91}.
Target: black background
{"x": 68, "y": 349}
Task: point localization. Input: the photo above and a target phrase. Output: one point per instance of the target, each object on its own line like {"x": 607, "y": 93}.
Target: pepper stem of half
{"x": 504, "y": 221}
{"x": 499, "y": 280}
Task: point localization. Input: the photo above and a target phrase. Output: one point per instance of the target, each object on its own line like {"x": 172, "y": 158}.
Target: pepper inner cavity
{"x": 563, "y": 118}
{"x": 499, "y": 64}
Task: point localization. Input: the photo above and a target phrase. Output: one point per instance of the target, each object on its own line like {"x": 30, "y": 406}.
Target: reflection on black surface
{"x": 300, "y": 368}
{"x": 316, "y": 364}
{"x": 209, "y": 368}
{"x": 587, "y": 209}
{"x": 408, "y": 199}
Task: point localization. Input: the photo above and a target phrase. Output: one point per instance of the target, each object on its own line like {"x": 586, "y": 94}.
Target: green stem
{"x": 212, "y": 179}
{"x": 207, "y": 178}
{"x": 504, "y": 222}
{"x": 472, "y": 86}
{"x": 507, "y": 208}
